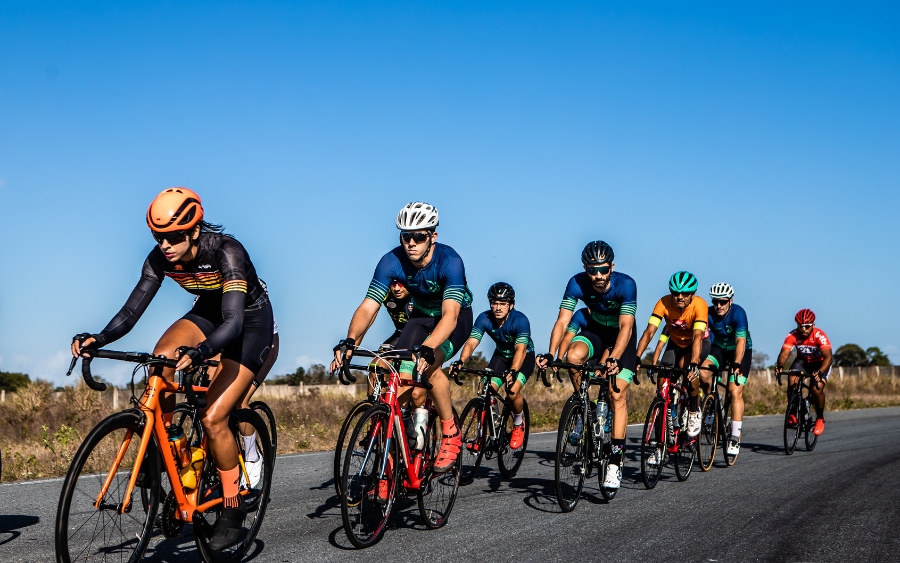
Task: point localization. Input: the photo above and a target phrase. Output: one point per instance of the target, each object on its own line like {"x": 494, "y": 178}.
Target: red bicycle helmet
{"x": 805, "y": 316}
{"x": 175, "y": 209}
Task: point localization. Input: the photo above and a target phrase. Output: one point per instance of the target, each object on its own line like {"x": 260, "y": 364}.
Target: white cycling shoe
{"x": 734, "y": 447}
{"x": 254, "y": 472}
{"x": 693, "y": 424}
{"x": 653, "y": 458}
{"x": 613, "y": 477}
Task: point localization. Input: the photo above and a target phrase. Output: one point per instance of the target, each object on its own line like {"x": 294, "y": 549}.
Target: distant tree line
{"x": 317, "y": 374}
{"x": 11, "y": 381}
{"x": 852, "y": 355}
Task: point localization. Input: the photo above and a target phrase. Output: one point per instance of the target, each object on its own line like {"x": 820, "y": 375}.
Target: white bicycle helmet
{"x": 416, "y": 216}
{"x": 721, "y": 291}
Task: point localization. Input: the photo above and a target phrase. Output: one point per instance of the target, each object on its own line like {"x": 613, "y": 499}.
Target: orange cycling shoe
{"x": 450, "y": 448}
{"x": 518, "y": 436}
{"x": 820, "y": 427}
{"x": 383, "y": 489}
{"x": 792, "y": 419}
{"x": 472, "y": 446}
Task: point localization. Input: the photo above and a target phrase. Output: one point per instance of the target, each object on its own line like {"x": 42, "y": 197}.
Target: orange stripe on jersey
{"x": 212, "y": 280}
{"x": 235, "y": 285}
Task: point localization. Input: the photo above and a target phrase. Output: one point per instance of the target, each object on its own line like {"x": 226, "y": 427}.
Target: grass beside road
{"x": 39, "y": 434}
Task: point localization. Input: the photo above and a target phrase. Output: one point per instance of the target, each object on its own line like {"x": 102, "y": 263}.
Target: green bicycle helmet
{"x": 683, "y": 282}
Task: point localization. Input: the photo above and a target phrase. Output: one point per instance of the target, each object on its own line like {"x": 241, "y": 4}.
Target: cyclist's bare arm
{"x": 827, "y": 358}
{"x": 565, "y": 343}
{"x": 697, "y": 347}
{"x": 626, "y": 325}
{"x": 362, "y": 319}
{"x": 468, "y": 349}
{"x": 740, "y": 346}
{"x": 518, "y": 357}
{"x": 782, "y": 359}
{"x": 646, "y": 338}
{"x": 559, "y": 331}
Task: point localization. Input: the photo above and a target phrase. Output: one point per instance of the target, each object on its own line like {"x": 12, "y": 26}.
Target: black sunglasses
{"x": 682, "y": 293}
{"x": 594, "y": 270}
{"x": 173, "y": 238}
{"x": 419, "y": 238}
{"x": 720, "y": 302}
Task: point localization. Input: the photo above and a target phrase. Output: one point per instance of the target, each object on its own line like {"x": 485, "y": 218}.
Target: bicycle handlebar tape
{"x": 88, "y": 378}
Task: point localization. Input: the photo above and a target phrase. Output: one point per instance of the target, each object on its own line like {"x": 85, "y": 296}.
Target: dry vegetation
{"x": 39, "y": 433}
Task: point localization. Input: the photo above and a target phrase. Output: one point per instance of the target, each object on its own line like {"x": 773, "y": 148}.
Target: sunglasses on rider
{"x": 419, "y": 238}
{"x": 682, "y": 293}
{"x": 805, "y": 326}
{"x": 720, "y": 302}
{"x": 173, "y": 238}
{"x": 594, "y": 270}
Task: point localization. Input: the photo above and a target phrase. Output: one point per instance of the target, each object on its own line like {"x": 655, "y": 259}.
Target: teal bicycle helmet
{"x": 683, "y": 282}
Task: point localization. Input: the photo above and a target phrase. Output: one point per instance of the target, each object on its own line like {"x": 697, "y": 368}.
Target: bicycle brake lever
{"x": 72, "y": 365}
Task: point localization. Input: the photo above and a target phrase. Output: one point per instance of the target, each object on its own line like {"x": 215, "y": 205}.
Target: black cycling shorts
{"x": 252, "y": 346}
{"x": 500, "y": 364}
{"x": 673, "y": 352}
{"x": 809, "y": 367}
{"x": 391, "y": 342}
{"x": 419, "y": 326}
{"x": 725, "y": 358}
{"x": 602, "y": 337}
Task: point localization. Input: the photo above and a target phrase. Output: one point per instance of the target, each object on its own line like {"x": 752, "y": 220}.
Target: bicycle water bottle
{"x": 178, "y": 445}
{"x": 419, "y": 421}
{"x": 495, "y": 413}
{"x": 601, "y": 423}
{"x": 673, "y": 416}
{"x": 190, "y": 474}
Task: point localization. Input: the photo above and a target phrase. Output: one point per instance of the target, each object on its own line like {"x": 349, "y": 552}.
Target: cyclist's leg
{"x": 515, "y": 390}
{"x": 627, "y": 367}
{"x": 714, "y": 360}
{"x": 189, "y": 330}
{"x": 793, "y": 380}
{"x": 262, "y": 373}
{"x": 586, "y": 346}
{"x": 736, "y": 390}
{"x": 694, "y": 388}
{"x": 818, "y": 391}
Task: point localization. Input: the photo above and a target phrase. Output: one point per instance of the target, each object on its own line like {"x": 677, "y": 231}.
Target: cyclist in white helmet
{"x": 440, "y": 321}
{"x": 731, "y": 348}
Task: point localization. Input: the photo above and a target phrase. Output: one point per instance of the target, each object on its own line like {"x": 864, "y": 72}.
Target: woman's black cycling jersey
{"x": 222, "y": 277}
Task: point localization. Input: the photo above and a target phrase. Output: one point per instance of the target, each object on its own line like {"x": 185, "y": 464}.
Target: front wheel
{"x": 810, "y": 437}
{"x": 437, "y": 492}
{"x": 510, "y": 460}
{"x": 571, "y": 461}
{"x": 684, "y": 457}
{"x": 255, "y": 460}
{"x": 792, "y": 424}
{"x": 340, "y": 448}
{"x": 653, "y": 443}
{"x": 708, "y": 439}
{"x": 91, "y": 527}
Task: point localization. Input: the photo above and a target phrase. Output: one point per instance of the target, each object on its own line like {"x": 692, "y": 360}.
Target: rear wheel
{"x": 87, "y": 531}
{"x": 365, "y": 514}
{"x": 437, "y": 494}
{"x": 340, "y": 449}
{"x": 653, "y": 443}
{"x": 473, "y": 430}
{"x": 607, "y": 494}
{"x": 809, "y": 436}
{"x": 268, "y": 417}
{"x": 571, "y": 463}
{"x": 510, "y": 460}
{"x": 726, "y": 436}
{"x": 792, "y": 428}
{"x": 255, "y": 483}
{"x": 708, "y": 439}
{"x": 684, "y": 457}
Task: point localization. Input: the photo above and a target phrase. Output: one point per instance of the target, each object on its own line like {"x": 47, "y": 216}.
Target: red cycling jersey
{"x": 810, "y": 349}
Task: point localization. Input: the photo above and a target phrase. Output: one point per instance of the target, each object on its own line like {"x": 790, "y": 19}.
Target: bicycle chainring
{"x": 171, "y": 526}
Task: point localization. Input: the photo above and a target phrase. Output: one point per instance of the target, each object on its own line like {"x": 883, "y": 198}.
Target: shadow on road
{"x": 325, "y": 510}
{"x": 765, "y": 449}
{"x": 405, "y": 514}
{"x": 183, "y": 548}
{"x": 11, "y": 524}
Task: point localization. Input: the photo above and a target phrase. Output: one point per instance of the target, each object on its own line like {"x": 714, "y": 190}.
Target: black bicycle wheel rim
{"x": 792, "y": 433}
{"x": 708, "y": 440}
{"x": 437, "y": 494}
{"x": 509, "y": 460}
{"x": 607, "y": 494}
{"x": 809, "y": 436}
{"x": 340, "y": 446}
{"x": 82, "y": 484}
{"x": 653, "y": 439}
{"x": 684, "y": 457}
{"x": 726, "y": 436}
{"x": 265, "y": 412}
{"x": 570, "y": 468}
{"x": 256, "y": 496}
{"x": 364, "y": 517}
{"x": 473, "y": 432}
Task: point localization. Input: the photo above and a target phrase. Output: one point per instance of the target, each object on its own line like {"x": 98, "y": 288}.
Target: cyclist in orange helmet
{"x": 814, "y": 357}
{"x": 232, "y": 317}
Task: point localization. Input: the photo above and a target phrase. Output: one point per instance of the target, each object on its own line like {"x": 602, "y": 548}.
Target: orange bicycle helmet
{"x": 175, "y": 209}
{"x": 805, "y": 316}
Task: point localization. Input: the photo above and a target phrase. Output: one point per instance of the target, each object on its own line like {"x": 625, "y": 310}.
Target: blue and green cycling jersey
{"x": 620, "y": 298}
{"x": 516, "y": 330}
{"x": 444, "y": 278}
{"x": 724, "y": 331}
{"x": 579, "y": 321}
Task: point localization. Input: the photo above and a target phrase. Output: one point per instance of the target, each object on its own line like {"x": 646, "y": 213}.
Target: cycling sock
{"x": 820, "y": 413}
{"x": 230, "y": 490}
{"x": 251, "y": 454}
{"x": 736, "y": 428}
{"x": 448, "y": 427}
{"x": 517, "y": 419}
{"x": 618, "y": 451}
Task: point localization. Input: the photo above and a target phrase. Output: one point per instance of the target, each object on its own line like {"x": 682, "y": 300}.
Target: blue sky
{"x": 752, "y": 144}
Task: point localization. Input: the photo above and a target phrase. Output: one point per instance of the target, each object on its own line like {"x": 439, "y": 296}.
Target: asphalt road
{"x": 839, "y": 503}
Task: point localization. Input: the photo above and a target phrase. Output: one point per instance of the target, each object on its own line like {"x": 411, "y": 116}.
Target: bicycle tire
{"x": 726, "y": 436}
{"x": 808, "y": 435}
{"x": 128, "y": 533}
{"x": 607, "y": 494}
{"x": 570, "y": 468}
{"x": 256, "y": 497}
{"x": 340, "y": 446}
{"x": 708, "y": 440}
{"x": 510, "y": 460}
{"x": 792, "y": 433}
{"x": 364, "y": 517}
{"x": 472, "y": 430}
{"x": 653, "y": 440}
{"x": 684, "y": 457}
{"x": 265, "y": 412}
{"x": 437, "y": 494}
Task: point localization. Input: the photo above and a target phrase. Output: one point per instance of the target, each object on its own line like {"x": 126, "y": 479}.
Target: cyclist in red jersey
{"x": 814, "y": 357}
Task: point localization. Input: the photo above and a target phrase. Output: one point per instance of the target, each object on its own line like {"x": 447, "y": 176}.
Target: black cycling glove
{"x": 350, "y": 343}
{"x": 423, "y": 352}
